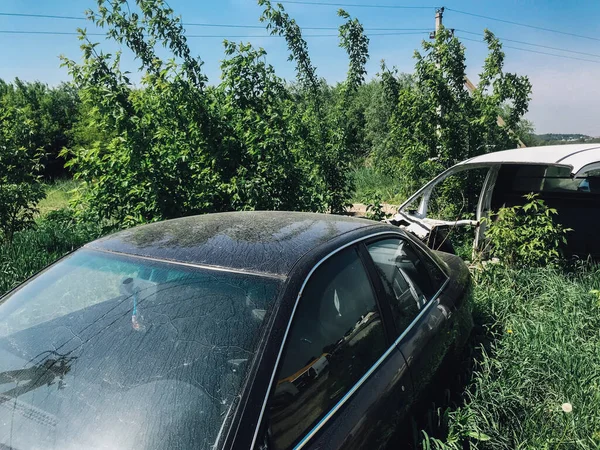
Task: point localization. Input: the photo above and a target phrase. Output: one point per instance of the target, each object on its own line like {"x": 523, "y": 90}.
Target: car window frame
{"x": 382, "y": 302}
{"x": 397, "y": 335}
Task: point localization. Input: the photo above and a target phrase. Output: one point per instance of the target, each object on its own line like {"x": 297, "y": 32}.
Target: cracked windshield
{"x": 107, "y": 351}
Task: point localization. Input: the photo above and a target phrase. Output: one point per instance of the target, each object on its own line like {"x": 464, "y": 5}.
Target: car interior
{"x": 575, "y": 199}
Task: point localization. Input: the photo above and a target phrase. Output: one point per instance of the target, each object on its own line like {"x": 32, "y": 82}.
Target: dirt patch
{"x": 360, "y": 209}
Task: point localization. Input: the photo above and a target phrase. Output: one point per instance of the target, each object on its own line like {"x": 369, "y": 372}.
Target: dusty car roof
{"x": 265, "y": 242}
{"x": 575, "y": 156}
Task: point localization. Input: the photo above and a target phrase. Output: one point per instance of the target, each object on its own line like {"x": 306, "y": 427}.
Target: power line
{"x": 41, "y": 16}
{"x": 298, "y": 2}
{"x": 301, "y": 2}
{"x": 535, "y": 45}
{"x": 523, "y": 24}
{"x": 57, "y": 33}
{"x": 262, "y": 27}
{"x": 212, "y": 25}
{"x": 70, "y": 33}
{"x": 534, "y": 51}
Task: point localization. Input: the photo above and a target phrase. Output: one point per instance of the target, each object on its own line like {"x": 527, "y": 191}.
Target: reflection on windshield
{"x": 103, "y": 351}
{"x": 33, "y": 377}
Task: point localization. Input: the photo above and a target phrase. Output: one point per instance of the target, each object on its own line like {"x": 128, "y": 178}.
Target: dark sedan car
{"x": 238, "y": 330}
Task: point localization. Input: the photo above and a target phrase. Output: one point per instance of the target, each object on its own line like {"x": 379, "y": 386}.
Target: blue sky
{"x": 566, "y": 97}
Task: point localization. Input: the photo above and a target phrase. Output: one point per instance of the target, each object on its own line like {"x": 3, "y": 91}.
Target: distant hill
{"x": 559, "y": 138}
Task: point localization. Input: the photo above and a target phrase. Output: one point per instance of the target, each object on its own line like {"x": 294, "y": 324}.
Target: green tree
{"x": 333, "y": 131}
{"x": 270, "y": 159}
{"x": 175, "y": 146}
{"x": 437, "y": 122}
{"x": 20, "y": 166}
{"x": 41, "y": 119}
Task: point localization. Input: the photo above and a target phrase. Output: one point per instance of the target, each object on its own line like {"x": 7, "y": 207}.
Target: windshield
{"x": 111, "y": 352}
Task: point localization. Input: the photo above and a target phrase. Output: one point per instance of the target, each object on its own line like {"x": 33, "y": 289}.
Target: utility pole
{"x": 439, "y": 17}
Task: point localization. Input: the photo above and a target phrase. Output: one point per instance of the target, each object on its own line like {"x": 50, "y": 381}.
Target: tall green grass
{"x": 31, "y": 250}
{"x": 370, "y": 184}
{"x": 58, "y": 195}
{"x": 537, "y": 346}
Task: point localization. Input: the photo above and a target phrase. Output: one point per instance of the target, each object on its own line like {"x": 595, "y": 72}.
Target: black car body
{"x": 235, "y": 330}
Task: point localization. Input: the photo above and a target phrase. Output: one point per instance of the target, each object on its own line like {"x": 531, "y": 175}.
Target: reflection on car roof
{"x": 264, "y": 242}
{"x": 574, "y": 156}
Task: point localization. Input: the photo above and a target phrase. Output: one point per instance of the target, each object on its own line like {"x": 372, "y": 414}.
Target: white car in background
{"x": 566, "y": 177}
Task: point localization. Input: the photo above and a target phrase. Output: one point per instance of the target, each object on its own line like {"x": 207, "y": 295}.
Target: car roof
{"x": 573, "y": 156}
{"x": 258, "y": 242}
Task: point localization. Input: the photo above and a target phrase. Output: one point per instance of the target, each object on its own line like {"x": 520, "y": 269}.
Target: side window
{"x": 335, "y": 338}
{"x": 410, "y": 278}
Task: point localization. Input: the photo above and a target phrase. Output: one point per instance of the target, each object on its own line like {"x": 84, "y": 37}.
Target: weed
{"x": 54, "y": 235}
{"x": 526, "y": 235}
{"x": 369, "y": 182}
{"x": 58, "y": 195}
{"x": 536, "y": 382}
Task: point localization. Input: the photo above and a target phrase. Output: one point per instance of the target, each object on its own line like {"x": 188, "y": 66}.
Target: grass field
{"x": 536, "y": 358}
{"x": 370, "y": 184}
{"x": 58, "y": 195}
{"x": 31, "y": 250}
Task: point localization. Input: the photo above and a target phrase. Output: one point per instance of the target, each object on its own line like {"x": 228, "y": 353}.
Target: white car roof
{"x": 574, "y": 156}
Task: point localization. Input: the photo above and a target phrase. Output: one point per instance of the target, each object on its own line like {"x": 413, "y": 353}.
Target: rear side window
{"x": 410, "y": 278}
{"x": 523, "y": 179}
{"x": 335, "y": 338}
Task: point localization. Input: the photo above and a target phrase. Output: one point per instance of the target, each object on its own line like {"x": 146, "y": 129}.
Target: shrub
{"x": 525, "y": 235}
{"x": 375, "y": 209}
{"x": 35, "y": 117}
{"x": 173, "y": 145}
{"x": 20, "y": 189}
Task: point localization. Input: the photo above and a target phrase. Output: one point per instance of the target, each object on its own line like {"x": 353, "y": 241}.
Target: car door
{"x": 413, "y": 282}
{"x": 341, "y": 381}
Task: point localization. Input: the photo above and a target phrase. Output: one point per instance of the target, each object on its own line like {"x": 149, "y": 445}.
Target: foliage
{"x": 35, "y": 121}
{"x": 39, "y": 119}
{"x": 17, "y": 204}
{"x": 273, "y": 169}
{"x": 20, "y": 186}
{"x": 438, "y": 123}
{"x": 368, "y": 182}
{"x": 375, "y": 209}
{"x": 536, "y": 341}
{"x": 336, "y": 131}
{"x": 175, "y": 146}
{"x": 561, "y": 139}
{"x": 31, "y": 250}
{"x": 527, "y": 235}
{"x": 58, "y": 195}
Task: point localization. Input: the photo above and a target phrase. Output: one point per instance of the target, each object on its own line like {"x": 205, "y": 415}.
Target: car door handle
{"x": 446, "y": 312}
